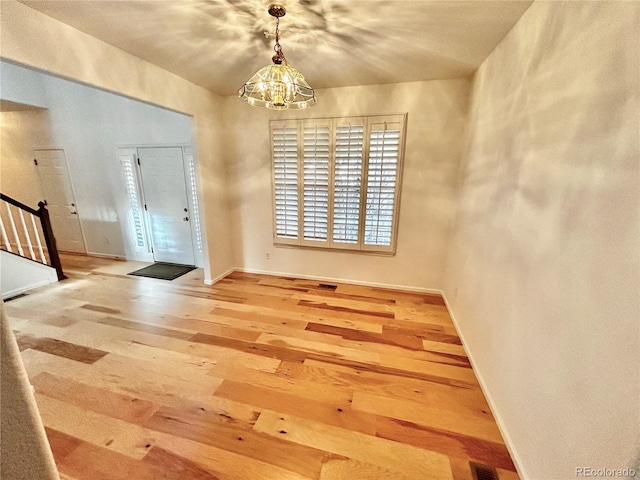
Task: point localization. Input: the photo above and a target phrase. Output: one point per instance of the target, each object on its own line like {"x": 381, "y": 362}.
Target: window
{"x": 193, "y": 193}
{"x": 135, "y": 214}
{"x": 336, "y": 181}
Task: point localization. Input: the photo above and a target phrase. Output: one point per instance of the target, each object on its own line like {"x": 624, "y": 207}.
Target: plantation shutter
{"x": 285, "y": 181}
{"x": 128, "y": 159}
{"x": 315, "y": 182}
{"x": 337, "y": 182}
{"x": 385, "y": 137}
{"x": 348, "y": 182}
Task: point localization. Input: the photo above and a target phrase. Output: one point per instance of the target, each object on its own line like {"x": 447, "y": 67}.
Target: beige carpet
{"x": 24, "y": 450}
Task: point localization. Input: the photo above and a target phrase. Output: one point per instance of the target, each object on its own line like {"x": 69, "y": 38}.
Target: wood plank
{"x": 404, "y": 341}
{"x": 268, "y": 351}
{"x": 147, "y": 328}
{"x": 402, "y": 346}
{"x": 61, "y": 348}
{"x": 231, "y": 465}
{"x": 91, "y": 461}
{"x": 434, "y": 390}
{"x": 288, "y": 315}
{"x": 318, "y": 348}
{"x": 234, "y": 433}
{"x": 61, "y": 444}
{"x": 480, "y": 424}
{"x": 460, "y": 469}
{"x": 505, "y": 474}
{"x": 354, "y": 470}
{"x": 146, "y": 346}
{"x": 180, "y": 466}
{"x": 352, "y": 312}
{"x": 408, "y": 460}
{"x": 95, "y": 428}
{"x": 309, "y": 390}
{"x": 100, "y": 400}
{"x": 146, "y": 380}
{"x": 449, "y": 443}
{"x": 336, "y": 414}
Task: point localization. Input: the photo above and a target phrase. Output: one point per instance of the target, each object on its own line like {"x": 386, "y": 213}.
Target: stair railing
{"x": 19, "y": 233}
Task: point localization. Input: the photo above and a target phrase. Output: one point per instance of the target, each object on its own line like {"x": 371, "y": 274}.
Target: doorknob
{"x": 185, "y": 210}
{"x": 186, "y": 219}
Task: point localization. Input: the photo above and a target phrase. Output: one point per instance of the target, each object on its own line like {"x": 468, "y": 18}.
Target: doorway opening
{"x": 60, "y": 199}
{"x": 163, "y": 215}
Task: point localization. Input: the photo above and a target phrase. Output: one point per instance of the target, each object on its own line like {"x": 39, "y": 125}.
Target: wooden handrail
{"x": 18, "y": 204}
{"x": 43, "y": 214}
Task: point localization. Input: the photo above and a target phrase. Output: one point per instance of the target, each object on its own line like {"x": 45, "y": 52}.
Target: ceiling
{"x": 219, "y": 44}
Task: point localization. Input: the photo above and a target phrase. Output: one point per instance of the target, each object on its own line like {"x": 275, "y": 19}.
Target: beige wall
{"x": 20, "y": 131}
{"x": 543, "y": 273}
{"x": 435, "y": 126}
{"x": 36, "y": 40}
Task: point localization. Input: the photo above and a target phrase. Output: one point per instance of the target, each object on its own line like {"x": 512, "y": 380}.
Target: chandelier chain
{"x": 277, "y": 47}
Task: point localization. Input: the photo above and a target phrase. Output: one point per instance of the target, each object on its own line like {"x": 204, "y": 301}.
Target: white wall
{"x": 543, "y": 272}
{"x": 435, "y": 126}
{"x": 88, "y": 124}
{"x": 36, "y": 40}
{"x": 18, "y": 275}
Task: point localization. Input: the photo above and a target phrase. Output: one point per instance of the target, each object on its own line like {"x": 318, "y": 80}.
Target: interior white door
{"x": 166, "y": 203}
{"x": 61, "y": 203}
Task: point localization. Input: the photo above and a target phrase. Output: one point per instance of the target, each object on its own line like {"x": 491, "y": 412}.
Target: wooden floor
{"x": 256, "y": 377}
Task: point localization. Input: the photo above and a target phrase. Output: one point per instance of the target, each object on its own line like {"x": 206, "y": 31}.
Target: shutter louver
{"x": 347, "y": 183}
{"x": 135, "y": 216}
{"x": 384, "y": 146}
{"x": 285, "y": 172}
{"x": 316, "y": 182}
{"x": 195, "y": 211}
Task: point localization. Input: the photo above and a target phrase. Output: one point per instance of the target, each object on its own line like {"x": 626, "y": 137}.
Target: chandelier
{"x": 278, "y": 86}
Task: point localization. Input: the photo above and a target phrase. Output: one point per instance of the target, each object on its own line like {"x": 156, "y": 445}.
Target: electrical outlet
{"x": 267, "y": 256}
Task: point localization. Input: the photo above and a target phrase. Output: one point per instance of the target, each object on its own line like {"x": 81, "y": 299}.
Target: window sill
{"x": 335, "y": 250}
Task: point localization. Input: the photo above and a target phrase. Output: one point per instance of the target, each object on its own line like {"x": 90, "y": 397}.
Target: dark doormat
{"x": 163, "y": 271}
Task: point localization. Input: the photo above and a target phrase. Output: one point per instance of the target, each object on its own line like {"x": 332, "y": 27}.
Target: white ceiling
{"x": 219, "y": 44}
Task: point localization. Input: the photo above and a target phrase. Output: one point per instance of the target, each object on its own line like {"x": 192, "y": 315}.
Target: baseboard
{"x": 483, "y": 386}
{"x": 209, "y": 281}
{"x": 18, "y": 291}
{"x": 105, "y": 255}
{"x": 347, "y": 281}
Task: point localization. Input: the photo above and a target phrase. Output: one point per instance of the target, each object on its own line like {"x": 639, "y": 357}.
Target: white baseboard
{"x": 18, "y": 291}
{"x": 106, "y": 255}
{"x": 210, "y": 281}
{"x": 483, "y": 386}
{"x": 387, "y": 286}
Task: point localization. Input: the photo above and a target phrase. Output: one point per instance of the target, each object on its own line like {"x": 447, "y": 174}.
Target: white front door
{"x": 60, "y": 200}
{"x": 165, "y": 198}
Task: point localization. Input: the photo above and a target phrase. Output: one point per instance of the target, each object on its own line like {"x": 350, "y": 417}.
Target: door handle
{"x": 74, "y": 213}
{"x": 186, "y": 219}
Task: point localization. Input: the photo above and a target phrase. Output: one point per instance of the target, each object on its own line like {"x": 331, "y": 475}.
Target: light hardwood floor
{"x": 256, "y": 377}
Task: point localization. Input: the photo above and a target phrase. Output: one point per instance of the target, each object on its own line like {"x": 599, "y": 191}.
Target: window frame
{"x": 369, "y": 123}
